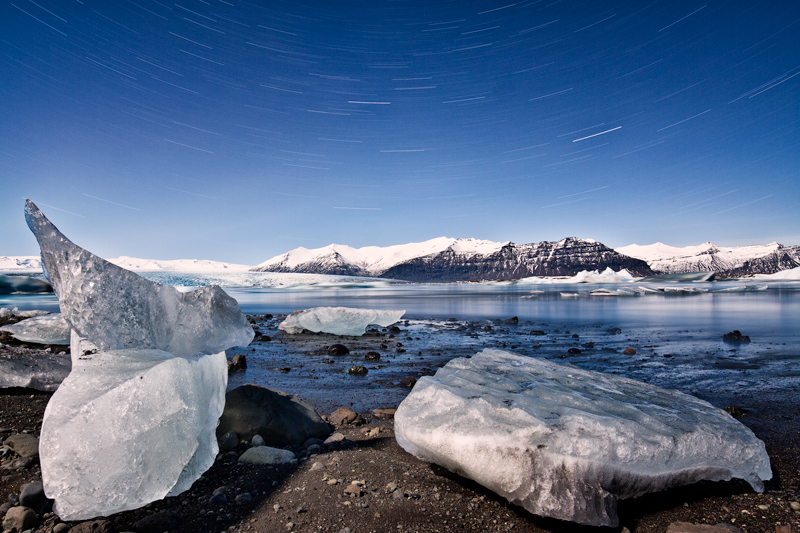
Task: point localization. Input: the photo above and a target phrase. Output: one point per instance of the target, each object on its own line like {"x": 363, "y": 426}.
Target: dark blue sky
{"x": 238, "y": 130}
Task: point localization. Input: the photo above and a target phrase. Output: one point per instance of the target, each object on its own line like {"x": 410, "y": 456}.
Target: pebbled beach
{"x": 362, "y": 481}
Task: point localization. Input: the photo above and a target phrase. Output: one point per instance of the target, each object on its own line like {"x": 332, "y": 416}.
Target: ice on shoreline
{"x": 134, "y": 421}
{"x": 568, "y": 443}
{"x": 43, "y": 329}
{"x": 338, "y": 320}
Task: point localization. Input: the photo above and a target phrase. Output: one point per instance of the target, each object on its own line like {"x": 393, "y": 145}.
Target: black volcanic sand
{"x": 401, "y": 493}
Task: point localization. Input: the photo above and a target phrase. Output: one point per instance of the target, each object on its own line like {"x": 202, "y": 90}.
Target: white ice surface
{"x": 129, "y": 427}
{"x": 791, "y": 274}
{"x": 338, "y": 320}
{"x": 584, "y": 276}
{"x": 567, "y": 443}
{"x": 136, "y": 264}
{"x": 44, "y": 329}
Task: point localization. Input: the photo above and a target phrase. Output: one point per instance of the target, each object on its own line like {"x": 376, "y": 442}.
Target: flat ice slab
{"x": 338, "y": 320}
{"x": 568, "y": 443}
{"x": 44, "y": 329}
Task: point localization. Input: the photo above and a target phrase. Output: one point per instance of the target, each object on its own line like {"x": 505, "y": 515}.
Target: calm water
{"x": 774, "y": 312}
{"x": 676, "y": 334}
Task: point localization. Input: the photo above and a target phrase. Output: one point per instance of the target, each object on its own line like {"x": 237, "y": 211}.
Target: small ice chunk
{"x": 33, "y": 369}
{"x": 44, "y": 329}
{"x": 118, "y": 309}
{"x": 129, "y": 427}
{"x": 568, "y": 443}
{"x": 338, "y": 320}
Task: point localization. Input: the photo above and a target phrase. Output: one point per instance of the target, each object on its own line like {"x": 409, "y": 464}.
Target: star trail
{"x": 235, "y": 131}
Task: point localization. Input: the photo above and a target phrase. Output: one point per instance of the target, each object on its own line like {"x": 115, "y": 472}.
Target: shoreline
{"x": 401, "y": 493}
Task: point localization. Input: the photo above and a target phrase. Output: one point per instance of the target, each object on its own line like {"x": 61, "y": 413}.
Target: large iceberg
{"x": 568, "y": 443}
{"x": 338, "y": 320}
{"x": 43, "y": 329}
{"x": 22, "y": 284}
{"x": 135, "y": 420}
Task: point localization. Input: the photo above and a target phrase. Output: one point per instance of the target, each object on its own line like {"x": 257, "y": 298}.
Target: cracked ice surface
{"x": 338, "y": 320}
{"x": 134, "y": 421}
{"x": 567, "y": 443}
{"x": 117, "y": 309}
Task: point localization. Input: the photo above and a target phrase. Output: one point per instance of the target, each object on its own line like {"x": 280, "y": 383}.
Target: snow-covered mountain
{"x": 448, "y": 259}
{"x": 708, "y": 257}
{"x": 33, "y": 263}
{"x": 20, "y": 263}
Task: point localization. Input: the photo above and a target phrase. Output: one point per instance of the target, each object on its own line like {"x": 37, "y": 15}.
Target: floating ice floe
{"x": 22, "y": 284}
{"x": 568, "y": 443}
{"x": 584, "y": 276}
{"x": 338, "y": 320}
{"x": 134, "y": 421}
{"x": 44, "y": 329}
{"x": 791, "y": 274}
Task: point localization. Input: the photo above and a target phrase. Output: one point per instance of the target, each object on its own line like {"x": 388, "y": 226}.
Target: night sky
{"x": 236, "y": 131}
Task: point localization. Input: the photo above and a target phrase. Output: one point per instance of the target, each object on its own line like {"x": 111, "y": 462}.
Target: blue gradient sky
{"x": 236, "y": 131}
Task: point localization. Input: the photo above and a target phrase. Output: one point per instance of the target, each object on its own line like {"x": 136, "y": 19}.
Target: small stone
{"x": 795, "y": 506}
{"x": 372, "y": 356}
{"x": 785, "y": 528}
{"x": 32, "y": 495}
{"x": 344, "y": 416}
{"x": 338, "y": 349}
{"x": 384, "y": 412}
{"x": 265, "y": 455}
{"x": 357, "y": 370}
{"x": 354, "y": 490}
{"x": 538, "y": 332}
{"x": 23, "y": 444}
{"x": 156, "y": 523}
{"x": 513, "y": 321}
{"x": 311, "y": 441}
{"x": 763, "y": 507}
{"x": 60, "y": 528}
{"x": 391, "y": 486}
{"x": 317, "y": 466}
{"x": 257, "y": 440}
{"x": 277, "y": 507}
{"x": 19, "y": 464}
{"x": 229, "y": 441}
{"x": 314, "y": 449}
{"x": 629, "y": 351}
{"x": 398, "y": 495}
{"x": 96, "y": 526}
{"x": 735, "y": 337}
{"x": 574, "y": 351}
{"x": 408, "y": 382}
{"x": 614, "y": 331}
{"x": 20, "y": 519}
{"x": 243, "y": 498}
{"x": 218, "y": 499}
{"x": 336, "y": 437}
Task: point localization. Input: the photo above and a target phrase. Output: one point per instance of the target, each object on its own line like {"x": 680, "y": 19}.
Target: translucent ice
{"x": 135, "y": 420}
{"x": 44, "y": 329}
{"x": 128, "y": 427}
{"x": 567, "y": 443}
{"x": 117, "y": 309}
{"x": 338, "y": 320}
